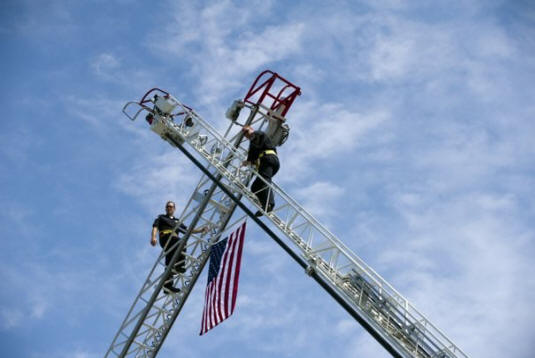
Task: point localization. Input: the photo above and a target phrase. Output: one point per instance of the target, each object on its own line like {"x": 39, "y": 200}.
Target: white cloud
{"x": 52, "y": 19}
{"x": 204, "y": 26}
{"x": 462, "y": 261}
{"x": 39, "y": 307}
{"x": 105, "y": 65}
{"x": 237, "y": 61}
{"x": 269, "y": 259}
{"x": 17, "y": 215}
{"x": 118, "y": 70}
{"x": 391, "y": 58}
{"x": 62, "y": 353}
{"x": 45, "y": 291}
{"x": 411, "y": 51}
{"x": 154, "y": 180}
{"x": 11, "y": 317}
{"x": 345, "y": 327}
{"x": 439, "y": 56}
{"x": 99, "y": 112}
{"x": 383, "y": 5}
{"x": 320, "y": 199}
{"x": 320, "y": 131}
{"x": 365, "y": 346}
{"x": 413, "y": 56}
{"x": 225, "y": 49}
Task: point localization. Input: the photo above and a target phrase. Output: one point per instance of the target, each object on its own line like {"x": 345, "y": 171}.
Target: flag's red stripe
{"x": 237, "y": 268}
{"x": 221, "y": 277}
{"x": 213, "y": 303}
{"x": 229, "y": 270}
{"x": 217, "y": 299}
{"x": 205, "y": 313}
{"x": 222, "y": 274}
{"x": 213, "y": 319}
{"x": 209, "y": 307}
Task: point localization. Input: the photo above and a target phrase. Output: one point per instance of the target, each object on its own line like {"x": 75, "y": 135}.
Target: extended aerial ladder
{"x": 375, "y": 304}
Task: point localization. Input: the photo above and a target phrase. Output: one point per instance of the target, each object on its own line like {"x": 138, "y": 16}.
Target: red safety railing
{"x": 144, "y": 99}
{"x": 281, "y": 101}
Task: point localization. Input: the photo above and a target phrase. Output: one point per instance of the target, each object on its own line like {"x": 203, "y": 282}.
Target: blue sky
{"x": 412, "y": 141}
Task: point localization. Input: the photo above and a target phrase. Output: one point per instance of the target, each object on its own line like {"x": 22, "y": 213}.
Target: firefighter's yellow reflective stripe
{"x": 165, "y": 232}
{"x": 265, "y": 152}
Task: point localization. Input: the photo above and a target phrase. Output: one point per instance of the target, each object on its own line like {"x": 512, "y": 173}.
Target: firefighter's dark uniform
{"x": 166, "y": 224}
{"x": 262, "y": 153}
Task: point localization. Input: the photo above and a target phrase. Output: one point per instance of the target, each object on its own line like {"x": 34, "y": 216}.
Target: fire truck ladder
{"x": 373, "y": 302}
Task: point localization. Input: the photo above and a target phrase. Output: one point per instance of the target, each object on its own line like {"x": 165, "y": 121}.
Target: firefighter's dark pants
{"x": 269, "y": 166}
{"x": 172, "y": 243}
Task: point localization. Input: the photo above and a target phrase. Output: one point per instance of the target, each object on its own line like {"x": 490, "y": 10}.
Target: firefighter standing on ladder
{"x": 165, "y": 224}
{"x": 263, "y": 154}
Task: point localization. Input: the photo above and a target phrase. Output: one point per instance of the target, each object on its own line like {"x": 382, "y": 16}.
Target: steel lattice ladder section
{"x": 372, "y": 301}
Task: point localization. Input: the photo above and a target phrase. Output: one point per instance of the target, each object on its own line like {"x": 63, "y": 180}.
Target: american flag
{"x": 223, "y": 275}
